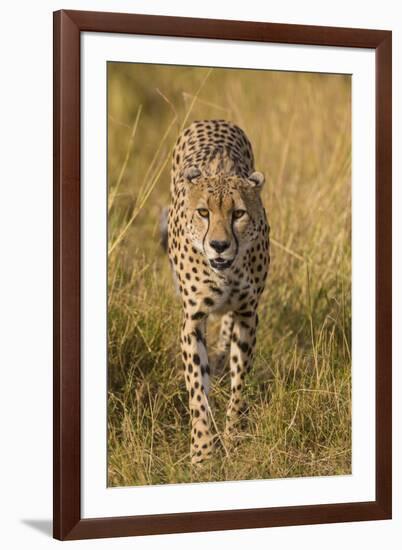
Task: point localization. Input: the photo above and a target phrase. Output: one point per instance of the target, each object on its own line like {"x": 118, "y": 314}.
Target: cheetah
{"x": 218, "y": 247}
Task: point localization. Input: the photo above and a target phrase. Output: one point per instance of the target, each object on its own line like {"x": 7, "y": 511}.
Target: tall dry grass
{"x": 299, "y": 390}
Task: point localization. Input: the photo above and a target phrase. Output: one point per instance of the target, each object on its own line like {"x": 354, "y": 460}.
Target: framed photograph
{"x": 222, "y": 268}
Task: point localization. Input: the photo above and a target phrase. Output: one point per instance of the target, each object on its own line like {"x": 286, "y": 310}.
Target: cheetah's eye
{"x": 203, "y": 212}
{"x": 237, "y": 214}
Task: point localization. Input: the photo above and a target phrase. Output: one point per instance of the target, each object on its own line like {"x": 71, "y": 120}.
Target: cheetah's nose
{"x": 219, "y": 246}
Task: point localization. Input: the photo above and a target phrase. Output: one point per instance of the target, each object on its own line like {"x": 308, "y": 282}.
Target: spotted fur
{"x": 218, "y": 245}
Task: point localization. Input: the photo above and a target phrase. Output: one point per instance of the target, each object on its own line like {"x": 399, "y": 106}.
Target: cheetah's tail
{"x": 163, "y": 228}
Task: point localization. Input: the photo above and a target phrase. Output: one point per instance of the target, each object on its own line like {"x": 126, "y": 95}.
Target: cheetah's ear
{"x": 257, "y": 179}
{"x": 191, "y": 173}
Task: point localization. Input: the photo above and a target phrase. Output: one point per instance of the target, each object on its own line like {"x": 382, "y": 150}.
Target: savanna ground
{"x": 299, "y": 390}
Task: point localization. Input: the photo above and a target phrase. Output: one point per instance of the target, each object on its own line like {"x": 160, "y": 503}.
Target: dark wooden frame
{"x": 68, "y": 26}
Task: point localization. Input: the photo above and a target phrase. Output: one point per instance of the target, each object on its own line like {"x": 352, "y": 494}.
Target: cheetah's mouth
{"x": 220, "y": 263}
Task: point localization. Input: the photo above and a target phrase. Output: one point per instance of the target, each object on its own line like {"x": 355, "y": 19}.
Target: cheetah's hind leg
{"x": 163, "y": 228}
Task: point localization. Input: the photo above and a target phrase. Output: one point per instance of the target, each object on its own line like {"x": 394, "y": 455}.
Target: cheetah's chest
{"x": 202, "y": 288}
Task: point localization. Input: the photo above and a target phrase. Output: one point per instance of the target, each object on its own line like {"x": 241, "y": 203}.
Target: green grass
{"x": 299, "y": 390}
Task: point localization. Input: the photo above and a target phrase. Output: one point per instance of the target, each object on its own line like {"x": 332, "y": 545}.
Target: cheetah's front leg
{"x": 196, "y": 370}
{"x": 223, "y": 346}
{"x": 241, "y": 357}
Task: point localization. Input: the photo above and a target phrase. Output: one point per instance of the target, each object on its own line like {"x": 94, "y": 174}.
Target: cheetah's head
{"x": 224, "y": 214}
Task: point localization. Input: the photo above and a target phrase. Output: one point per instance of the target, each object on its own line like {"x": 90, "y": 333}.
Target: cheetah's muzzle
{"x": 216, "y": 209}
{"x": 220, "y": 264}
